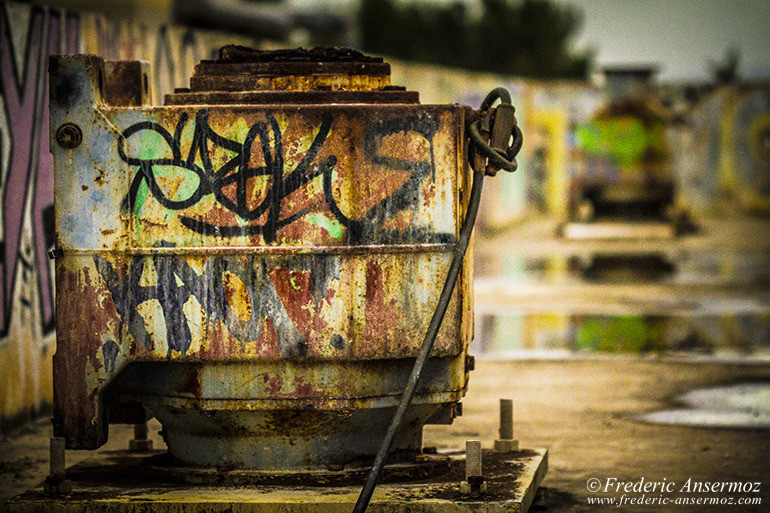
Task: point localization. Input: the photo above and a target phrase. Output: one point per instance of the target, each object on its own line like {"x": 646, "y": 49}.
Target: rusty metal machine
{"x": 257, "y": 262}
{"x": 623, "y": 186}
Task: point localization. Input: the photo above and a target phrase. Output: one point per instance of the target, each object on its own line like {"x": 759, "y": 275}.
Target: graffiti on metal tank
{"x": 27, "y": 37}
{"x": 265, "y": 136}
{"x": 176, "y": 282}
{"x": 229, "y": 182}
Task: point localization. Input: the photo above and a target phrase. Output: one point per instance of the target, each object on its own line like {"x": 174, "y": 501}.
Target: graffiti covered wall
{"x": 28, "y": 35}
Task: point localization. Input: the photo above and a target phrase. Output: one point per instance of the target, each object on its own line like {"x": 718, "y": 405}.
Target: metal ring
{"x": 495, "y": 158}
{"x": 498, "y": 93}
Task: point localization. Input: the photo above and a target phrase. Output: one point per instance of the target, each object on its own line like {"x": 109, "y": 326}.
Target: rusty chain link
{"x": 495, "y": 136}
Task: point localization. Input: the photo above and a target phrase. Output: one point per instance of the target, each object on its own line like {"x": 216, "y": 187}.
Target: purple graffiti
{"x": 27, "y": 163}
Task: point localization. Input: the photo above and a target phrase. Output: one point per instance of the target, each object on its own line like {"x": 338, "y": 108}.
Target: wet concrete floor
{"x": 584, "y": 410}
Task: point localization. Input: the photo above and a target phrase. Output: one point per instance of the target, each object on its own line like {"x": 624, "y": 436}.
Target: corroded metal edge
{"x": 251, "y": 250}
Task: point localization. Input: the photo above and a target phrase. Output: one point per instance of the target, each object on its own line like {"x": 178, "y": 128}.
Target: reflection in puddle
{"x": 736, "y": 406}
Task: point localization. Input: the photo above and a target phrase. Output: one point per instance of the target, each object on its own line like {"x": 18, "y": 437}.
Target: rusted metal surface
{"x": 276, "y": 257}
{"x": 295, "y": 97}
{"x": 126, "y": 83}
{"x": 333, "y": 69}
{"x": 425, "y": 466}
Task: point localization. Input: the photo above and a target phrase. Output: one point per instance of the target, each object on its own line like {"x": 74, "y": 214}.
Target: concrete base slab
{"x": 116, "y": 482}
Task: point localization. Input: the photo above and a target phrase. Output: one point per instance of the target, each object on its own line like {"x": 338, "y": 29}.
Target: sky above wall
{"x": 682, "y": 36}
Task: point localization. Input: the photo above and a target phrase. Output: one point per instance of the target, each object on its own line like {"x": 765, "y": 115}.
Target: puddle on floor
{"x": 745, "y": 405}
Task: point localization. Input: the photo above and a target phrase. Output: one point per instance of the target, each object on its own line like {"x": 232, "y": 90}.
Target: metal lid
{"x": 318, "y": 75}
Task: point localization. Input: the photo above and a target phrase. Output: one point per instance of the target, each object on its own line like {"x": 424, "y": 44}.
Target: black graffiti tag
{"x": 177, "y": 282}
{"x": 235, "y": 171}
{"x": 267, "y": 137}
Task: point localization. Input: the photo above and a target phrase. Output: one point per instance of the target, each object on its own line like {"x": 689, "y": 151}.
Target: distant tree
{"x": 527, "y": 38}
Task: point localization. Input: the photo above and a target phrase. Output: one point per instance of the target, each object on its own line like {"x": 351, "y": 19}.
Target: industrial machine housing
{"x": 256, "y": 262}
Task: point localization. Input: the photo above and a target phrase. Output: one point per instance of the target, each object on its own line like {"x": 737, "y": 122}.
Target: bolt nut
{"x": 137, "y": 445}
{"x": 57, "y": 487}
{"x": 69, "y": 136}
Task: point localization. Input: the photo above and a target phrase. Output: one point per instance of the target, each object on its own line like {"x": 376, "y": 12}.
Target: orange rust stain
{"x": 400, "y": 221}
{"x": 100, "y": 177}
{"x": 221, "y": 344}
{"x": 405, "y": 145}
{"x": 268, "y": 345}
{"x": 304, "y": 390}
{"x": 429, "y": 195}
{"x": 301, "y": 230}
{"x": 149, "y": 223}
{"x": 84, "y": 187}
{"x": 81, "y": 326}
{"x": 293, "y": 287}
{"x": 218, "y": 215}
{"x": 361, "y": 187}
{"x": 376, "y": 317}
{"x": 272, "y": 385}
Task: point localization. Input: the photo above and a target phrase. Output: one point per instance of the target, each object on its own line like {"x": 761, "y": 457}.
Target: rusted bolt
{"x": 506, "y": 442}
{"x": 472, "y": 458}
{"x": 55, "y": 483}
{"x": 69, "y": 136}
{"x": 57, "y": 457}
{"x": 140, "y": 443}
{"x": 506, "y": 419}
{"x": 474, "y": 484}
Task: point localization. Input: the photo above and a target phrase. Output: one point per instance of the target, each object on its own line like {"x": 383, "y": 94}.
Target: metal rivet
{"x": 69, "y": 136}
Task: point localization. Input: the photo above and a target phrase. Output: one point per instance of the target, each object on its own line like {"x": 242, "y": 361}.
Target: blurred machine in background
{"x": 622, "y": 183}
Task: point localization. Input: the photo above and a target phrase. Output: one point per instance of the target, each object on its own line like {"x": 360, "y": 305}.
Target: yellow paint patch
{"x": 237, "y": 296}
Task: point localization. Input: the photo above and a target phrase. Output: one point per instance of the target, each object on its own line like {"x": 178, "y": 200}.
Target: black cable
{"x": 438, "y": 314}
{"x": 427, "y": 344}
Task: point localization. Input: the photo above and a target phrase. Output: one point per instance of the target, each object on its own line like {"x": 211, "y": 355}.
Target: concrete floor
{"x": 583, "y": 410}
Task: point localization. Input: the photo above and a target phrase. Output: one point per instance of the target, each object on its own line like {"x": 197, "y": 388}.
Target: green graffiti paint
{"x": 141, "y": 197}
{"x": 237, "y": 131}
{"x": 332, "y": 226}
{"x": 623, "y": 140}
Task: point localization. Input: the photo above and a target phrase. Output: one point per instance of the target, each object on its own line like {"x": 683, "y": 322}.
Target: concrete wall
{"x": 28, "y": 34}
{"x": 719, "y": 150}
